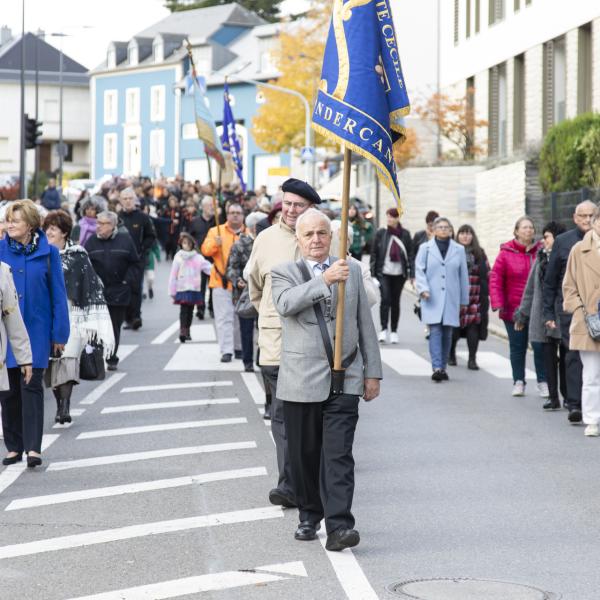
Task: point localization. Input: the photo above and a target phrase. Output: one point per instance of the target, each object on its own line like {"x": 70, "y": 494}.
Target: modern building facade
{"x": 142, "y": 114}
{"x": 529, "y": 63}
{"x": 45, "y": 59}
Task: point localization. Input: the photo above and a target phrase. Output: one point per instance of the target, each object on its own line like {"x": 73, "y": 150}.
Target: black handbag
{"x": 91, "y": 363}
{"x": 244, "y": 307}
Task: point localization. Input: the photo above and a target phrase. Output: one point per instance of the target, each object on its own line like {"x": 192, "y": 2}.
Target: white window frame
{"x": 189, "y": 131}
{"x": 132, "y": 105}
{"x": 111, "y": 99}
{"x": 157, "y": 148}
{"x": 110, "y": 162}
{"x": 158, "y": 50}
{"x": 157, "y": 103}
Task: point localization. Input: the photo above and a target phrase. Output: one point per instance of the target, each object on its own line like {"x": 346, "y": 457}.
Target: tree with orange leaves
{"x": 457, "y": 121}
{"x": 279, "y": 124}
{"x": 407, "y": 150}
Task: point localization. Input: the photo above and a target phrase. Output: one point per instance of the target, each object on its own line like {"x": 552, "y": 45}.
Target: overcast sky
{"x": 91, "y": 25}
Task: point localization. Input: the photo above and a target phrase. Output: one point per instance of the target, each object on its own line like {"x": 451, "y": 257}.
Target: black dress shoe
{"x": 11, "y": 460}
{"x": 279, "y": 498}
{"x": 237, "y": 354}
{"x": 34, "y": 461}
{"x": 111, "y": 367}
{"x": 445, "y": 375}
{"x": 452, "y": 361}
{"x": 552, "y": 404}
{"x": 226, "y": 358}
{"x": 136, "y": 324}
{"x": 307, "y": 531}
{"x": 472, "y": 364}
{"x": 342, "y": 538}
{"x": 437, "y": 376}
{"x": 574, "y": 415}
{"x": 267, "y": 413}
{"x": 249, "y": 368}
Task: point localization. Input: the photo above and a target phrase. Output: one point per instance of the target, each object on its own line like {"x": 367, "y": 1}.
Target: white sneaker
{"x": 542, "y": 389}
{"x": 592, "y": 431}
{"x": 383, "y": 336}
{"x": 394, "y": 337}
{"x": 518, "y": 388}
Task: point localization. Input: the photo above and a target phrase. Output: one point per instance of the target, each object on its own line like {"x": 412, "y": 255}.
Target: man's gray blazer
{"x": 304, "y": 372}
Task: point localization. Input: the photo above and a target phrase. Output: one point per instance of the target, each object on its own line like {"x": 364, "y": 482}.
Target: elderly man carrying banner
{"x": 319, "y": 423}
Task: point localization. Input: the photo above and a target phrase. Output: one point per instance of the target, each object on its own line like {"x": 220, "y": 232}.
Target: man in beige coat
{"x": 581, "y": 295}
{"x": 274, "y": 246}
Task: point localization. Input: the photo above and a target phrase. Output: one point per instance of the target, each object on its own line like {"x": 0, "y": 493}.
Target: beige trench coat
{"x": 274, "y": 246}
{"x": 12, "y": 328}
{"x": 582, "y": 284}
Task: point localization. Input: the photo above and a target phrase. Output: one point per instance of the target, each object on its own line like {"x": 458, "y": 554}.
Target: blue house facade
{"x": 143, "y": 119}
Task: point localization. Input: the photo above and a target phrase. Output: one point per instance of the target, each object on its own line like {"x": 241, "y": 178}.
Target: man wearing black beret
{"x": 274, "y": 246}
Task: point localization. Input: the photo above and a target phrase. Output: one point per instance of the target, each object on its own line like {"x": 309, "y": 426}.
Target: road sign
{"x": 308, "y": 153}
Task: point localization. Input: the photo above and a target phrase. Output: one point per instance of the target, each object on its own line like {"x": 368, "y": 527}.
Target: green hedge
{"x": 570, "y": 155}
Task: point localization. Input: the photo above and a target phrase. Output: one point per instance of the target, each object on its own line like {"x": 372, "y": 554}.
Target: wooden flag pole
{"x": 341, "y": 299}
{"x": 216, "y": 211}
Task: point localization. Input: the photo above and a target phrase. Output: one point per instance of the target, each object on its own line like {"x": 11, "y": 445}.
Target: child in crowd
{"x": 185, "y": 282}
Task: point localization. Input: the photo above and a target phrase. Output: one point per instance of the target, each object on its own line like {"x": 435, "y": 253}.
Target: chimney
{"x": 41, "y": 34}
{"x": 5, "y": 35}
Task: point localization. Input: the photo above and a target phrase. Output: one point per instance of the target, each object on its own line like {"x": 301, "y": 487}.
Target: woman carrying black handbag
{"x": 88, "y": 315}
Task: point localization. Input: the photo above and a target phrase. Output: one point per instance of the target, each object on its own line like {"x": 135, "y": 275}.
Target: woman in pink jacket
{"x": 507, "y": 284}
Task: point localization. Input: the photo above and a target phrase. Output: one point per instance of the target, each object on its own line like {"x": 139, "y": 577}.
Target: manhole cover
{"x": 468, "y": 589}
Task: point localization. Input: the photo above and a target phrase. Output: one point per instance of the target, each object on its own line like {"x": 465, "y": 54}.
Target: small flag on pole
{"x": 362, "y": 97}
{"x": 229, "y": 139}
{"x": 207, "y": 131}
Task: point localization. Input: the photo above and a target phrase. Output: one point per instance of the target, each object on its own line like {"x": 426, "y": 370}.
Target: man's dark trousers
{"x": 320, "y": 437}
{"x": 573, "y": 366}
{"x": 284, "y": 484}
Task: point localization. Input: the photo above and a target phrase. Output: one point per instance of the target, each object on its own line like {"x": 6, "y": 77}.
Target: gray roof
{"x": 203, "y": 21}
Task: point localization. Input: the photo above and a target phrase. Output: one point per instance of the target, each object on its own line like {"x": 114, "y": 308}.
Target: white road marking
{"x": 149, "y": 455}
{"x": 134, "y": 488}
{"x": 63, "y": 426}
{"x": 496, "y": 365}
{"x": 159, "y": 405}
{"x": 162, "y": 337}
{"x": 205, "y": 583}
{"x": 351, "y": 577}
{"x": 406, "y": 362}
{"x": 175, "y": 386}
{"x": 101, "y": 389}
{"x": 200, "y": 357}
{"x": 255, "y": 389}
{"x": 201, "y": 333}
{"x": 12, "y": 472}
{"x": 77, "y": 412}
{"x": 129, "y": 532}
{"x": 88, "y": 435}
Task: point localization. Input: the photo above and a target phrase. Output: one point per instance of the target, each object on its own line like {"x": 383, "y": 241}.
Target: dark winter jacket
{"x": 50, "y": 199}
{"x": 555, "y": 273}
{"x": 117, "y": 263}
{"x": 380, "y": 246}
{"x": 199, "y": 227}
{"x": 141, "y": 230}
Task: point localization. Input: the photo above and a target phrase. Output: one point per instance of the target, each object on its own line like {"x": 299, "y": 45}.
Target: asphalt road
{"x": 161, "y": 492}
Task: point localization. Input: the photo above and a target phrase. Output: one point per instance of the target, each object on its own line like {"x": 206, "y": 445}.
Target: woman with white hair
{"x": 238, "y": 258}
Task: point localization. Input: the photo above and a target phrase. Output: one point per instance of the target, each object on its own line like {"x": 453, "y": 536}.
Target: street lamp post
{"x": 22, "y": 171}
{"x": 308, "y": 172}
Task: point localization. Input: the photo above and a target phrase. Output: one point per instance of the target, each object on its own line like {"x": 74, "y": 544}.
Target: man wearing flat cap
{"x": 273, "y": 246}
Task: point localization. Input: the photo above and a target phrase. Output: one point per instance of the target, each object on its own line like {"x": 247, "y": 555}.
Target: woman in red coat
{"x": 507, "y": 284}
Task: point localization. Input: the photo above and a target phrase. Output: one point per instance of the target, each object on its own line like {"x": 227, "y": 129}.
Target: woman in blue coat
{"x": 38, "y": 277}
{"x": 442, "y": 281}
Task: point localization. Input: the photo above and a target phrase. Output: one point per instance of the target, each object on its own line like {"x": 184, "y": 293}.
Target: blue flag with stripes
{"x": 362, "y": 97}
{"x": 229, "y": 139}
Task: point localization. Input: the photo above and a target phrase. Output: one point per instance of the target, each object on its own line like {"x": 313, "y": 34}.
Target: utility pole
{"x": 22, "y": 171}
{"x": 61, "y": 149}
{"x": 37, "y": 83}
{"x": 438, "y": 83}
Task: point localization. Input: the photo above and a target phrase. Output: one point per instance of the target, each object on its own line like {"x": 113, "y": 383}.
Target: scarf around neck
{"x": 25, "y": 249}
{"x": 395, "y": 249}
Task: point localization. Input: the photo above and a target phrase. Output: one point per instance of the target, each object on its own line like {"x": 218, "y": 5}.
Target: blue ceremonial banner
{"x": 207, "y": 131}
{"x": 362, "y": 97}
{"x": 229, "y": 139}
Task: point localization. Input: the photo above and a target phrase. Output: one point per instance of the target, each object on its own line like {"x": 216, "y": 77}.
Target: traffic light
{"x": 33, "y": 132}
